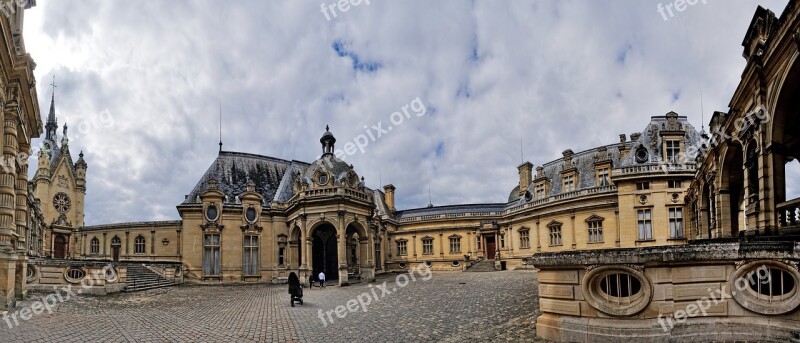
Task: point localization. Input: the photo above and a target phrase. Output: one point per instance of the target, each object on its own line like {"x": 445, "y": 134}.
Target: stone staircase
{"x": 482, "y": 266}
{"x": 140, "y": 278}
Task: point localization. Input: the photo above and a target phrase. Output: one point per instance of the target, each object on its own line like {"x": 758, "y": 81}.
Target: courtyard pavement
{"x": 449, "y": 307}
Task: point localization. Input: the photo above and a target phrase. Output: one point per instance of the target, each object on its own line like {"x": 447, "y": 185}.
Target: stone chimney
{"x": 525, "y": 176}
{"x": 388, "y": 196}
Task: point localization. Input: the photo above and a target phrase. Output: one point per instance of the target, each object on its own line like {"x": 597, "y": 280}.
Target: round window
{"x": 767, "y": 287}
{"x": 528, "y": 196}
{"x": 74, "y": 275}
{"x": 61, "y": 202}
{"x": 211, "y": 212}
{"x": 641, "y": 155}
{"x": 402, "y": 266}
{"x": 428, "y": 264}
{"x": 617, "y": 290}
{"x": 455, "y": 263}
{"x": 32, "y": 273}
{"x": 250, "y": 215}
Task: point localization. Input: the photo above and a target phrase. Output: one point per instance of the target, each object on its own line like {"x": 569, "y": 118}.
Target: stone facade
{"x": 19, "y": 114}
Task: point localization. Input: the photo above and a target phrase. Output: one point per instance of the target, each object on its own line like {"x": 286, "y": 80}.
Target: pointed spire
{"x": 52, "y": 123}
{"x": 81, "y": 162}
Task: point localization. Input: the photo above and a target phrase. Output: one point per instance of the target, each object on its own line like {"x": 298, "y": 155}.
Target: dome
{"x": 329, "y": 168}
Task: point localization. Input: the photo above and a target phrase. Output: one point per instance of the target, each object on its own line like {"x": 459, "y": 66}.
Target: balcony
{"x": 653, "y": 168}
{"x": 789, "y": 215}
{"x": 563, "y": 196}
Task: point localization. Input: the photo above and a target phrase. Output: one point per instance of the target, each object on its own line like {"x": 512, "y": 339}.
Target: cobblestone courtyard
{"x": 473, "y": 307}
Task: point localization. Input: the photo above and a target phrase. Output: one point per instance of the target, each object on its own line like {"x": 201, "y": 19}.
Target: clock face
{"x": 61, "y": 202}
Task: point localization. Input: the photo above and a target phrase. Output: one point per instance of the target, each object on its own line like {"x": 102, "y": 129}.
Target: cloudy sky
{"x": 141, "y": 82}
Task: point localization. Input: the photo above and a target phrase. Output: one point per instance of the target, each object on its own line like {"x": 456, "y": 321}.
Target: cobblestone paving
{"x": 463, "y": 307}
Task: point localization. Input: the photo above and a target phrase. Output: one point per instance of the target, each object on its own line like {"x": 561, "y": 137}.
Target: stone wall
{"x": 671, "y": 294}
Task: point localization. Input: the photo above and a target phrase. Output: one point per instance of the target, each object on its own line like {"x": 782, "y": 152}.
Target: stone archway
{"x": 732, "y": 191}
{"x": 784, "y": 151}
{"x": 324, "y": 254}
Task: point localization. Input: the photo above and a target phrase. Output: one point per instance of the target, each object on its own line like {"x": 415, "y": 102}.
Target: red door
{"x": 491, "y": 247}
{"x": 59, "y": 246}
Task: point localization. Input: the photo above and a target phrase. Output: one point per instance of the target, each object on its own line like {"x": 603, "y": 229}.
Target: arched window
{"x": 94, "y": 246}
{"x": 139, "y": 245}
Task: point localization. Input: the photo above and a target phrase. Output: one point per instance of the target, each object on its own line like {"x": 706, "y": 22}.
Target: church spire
{"x": 52, "y": 123}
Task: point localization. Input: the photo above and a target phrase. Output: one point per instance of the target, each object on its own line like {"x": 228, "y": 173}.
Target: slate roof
{"x": 584, "y": 161}
{"x": 450, "y": 209}
{"x": 234, "y": 169}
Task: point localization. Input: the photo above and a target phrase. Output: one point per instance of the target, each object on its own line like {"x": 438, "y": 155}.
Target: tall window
{"x": 378, "y": 255}
{"x": 455, "y": 245}
{"x": 427, "y": 246}
{"x": 602, "y": 177}
{"x": 251, "y": 255}
{"x": 281, "y": 256}
{"x": 139, "y": 245}
{"x": 502, "y": 241}
{"x": 401, "y": 248}
{"x": 569, "y": 183}
{"x": 675, "y": 222}
{"x": 479, "y": 242}
{"x": 555, "y": 235}
{"x": 539, "y": 190}
{"x": 524, "y": 239}
{"x": 94, "y": 246}
{"x": 211, "y": 255}
{"x": 673, "y": 151}
{"x": 645, "y": 225}
{"x": 595, "y": 231}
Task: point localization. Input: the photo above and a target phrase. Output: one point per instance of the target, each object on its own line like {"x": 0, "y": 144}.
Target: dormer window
{"x": 569, "y": 183}
{"x": 672, "y": 151}
{"x": 641, "y": 155}
{"x": 212, "y": 213}
{"x": 539, "y": 190}
{"x": 602, "y": 177}
{"x": 322, "y": 179}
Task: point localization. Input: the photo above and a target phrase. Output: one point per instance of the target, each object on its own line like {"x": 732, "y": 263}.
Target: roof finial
{"x": 702, "y": 115}
{"x": 54, "y": 86}
{"x": 430, "y": 199}
{"x": 327, "y": 128}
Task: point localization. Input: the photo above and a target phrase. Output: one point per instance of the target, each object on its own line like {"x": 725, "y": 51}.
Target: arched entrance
{"x": 59, "y": 246}
{"x": 784, "y": 151}
{"x": 325, "y": 257}
{"x": 734, "y": 190}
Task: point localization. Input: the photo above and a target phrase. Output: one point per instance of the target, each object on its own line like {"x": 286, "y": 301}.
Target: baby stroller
{"x": 295, "y": 289}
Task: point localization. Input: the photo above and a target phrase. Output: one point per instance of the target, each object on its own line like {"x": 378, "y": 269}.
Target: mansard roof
{"x": 450, "y": 209}
{"x": 584, "y": 162}
{"x": 234, "y": 169}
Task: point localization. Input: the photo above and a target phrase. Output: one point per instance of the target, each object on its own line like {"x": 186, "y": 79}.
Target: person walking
{"x": 321, "y": 279}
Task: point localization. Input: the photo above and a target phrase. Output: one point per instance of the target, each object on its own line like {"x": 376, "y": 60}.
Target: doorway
{"x": 116, "y": 243}
{"x": 59, "y": 246}
{"x": 324, "y": 252}
{"x": 491, "y": 247}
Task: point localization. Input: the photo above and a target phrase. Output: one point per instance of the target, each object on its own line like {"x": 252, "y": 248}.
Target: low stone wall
{"x": 710, "y": 291}
{"x": 83, "y": 277}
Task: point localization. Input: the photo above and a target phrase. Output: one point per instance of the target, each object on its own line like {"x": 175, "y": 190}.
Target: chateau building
{"x": 626, "y": 235}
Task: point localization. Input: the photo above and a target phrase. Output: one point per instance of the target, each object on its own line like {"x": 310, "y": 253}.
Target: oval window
{"x": 771, "y": 283}
{"x": 620, "y": 285}
{"x": 74, "y": 275}
{"x": 402, "y": 266}
{"x": 250, "y": 215}
{"x": 212, "y": 213}
{"x": 641, "y": 155}
{"x": 767, "y": 287}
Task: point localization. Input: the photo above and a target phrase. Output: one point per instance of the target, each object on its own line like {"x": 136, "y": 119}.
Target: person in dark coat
{"x": 295, "y": 290}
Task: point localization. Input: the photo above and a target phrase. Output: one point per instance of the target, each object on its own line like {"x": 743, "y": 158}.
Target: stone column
{"x": 341, "y": 241}
{"x": 8, "y": 230}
